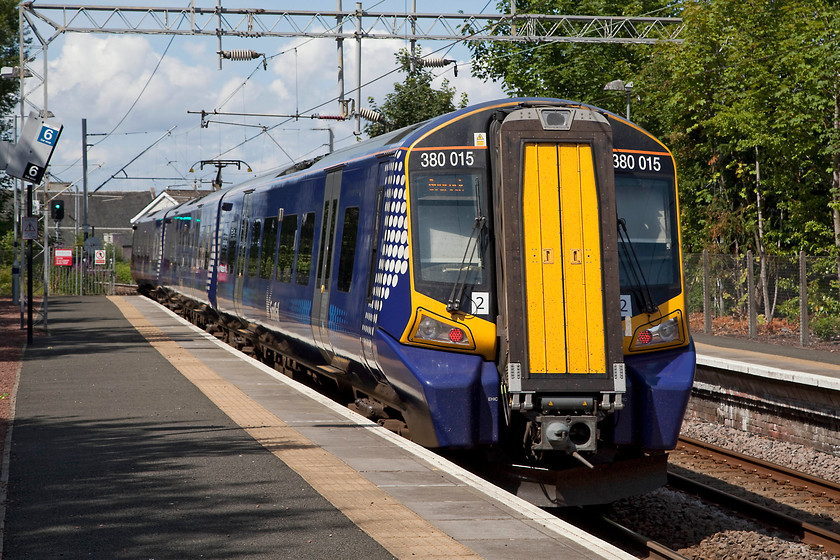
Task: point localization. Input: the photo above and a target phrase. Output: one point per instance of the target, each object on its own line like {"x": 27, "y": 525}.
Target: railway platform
{"x": 136, "y": 435}
{"x": 805, "y": 366}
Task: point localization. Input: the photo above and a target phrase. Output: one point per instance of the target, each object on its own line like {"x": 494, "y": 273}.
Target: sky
{"x": 132, "y": 89}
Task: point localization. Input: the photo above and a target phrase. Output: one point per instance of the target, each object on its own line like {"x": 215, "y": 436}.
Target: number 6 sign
{"x": 31, "y": 155}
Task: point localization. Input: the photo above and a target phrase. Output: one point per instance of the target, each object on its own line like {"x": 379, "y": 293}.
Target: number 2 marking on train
{"x": 626, "y": 306}
{"x": 480, "y": 303}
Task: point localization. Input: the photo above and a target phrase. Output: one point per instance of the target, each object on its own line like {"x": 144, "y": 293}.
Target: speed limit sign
{"x": 99, "y": 256}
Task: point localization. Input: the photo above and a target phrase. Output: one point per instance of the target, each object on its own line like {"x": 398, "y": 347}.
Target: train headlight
{"x": 439, "y": 331}
{"x": 666, "y": 332}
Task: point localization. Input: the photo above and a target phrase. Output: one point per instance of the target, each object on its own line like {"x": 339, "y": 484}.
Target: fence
{"x": 75, "y": 272}
{"x": 750, "y": 295}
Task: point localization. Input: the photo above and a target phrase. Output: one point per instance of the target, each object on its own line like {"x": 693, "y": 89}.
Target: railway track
{"x": 593, "y": 522}
{"x": 796, "y": 503}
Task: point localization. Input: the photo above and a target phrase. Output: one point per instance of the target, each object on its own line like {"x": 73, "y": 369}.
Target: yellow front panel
{"x": 533, "y": 261}
{"x": 550, "y": 260}
{"x": 562, "y": 260}
{"x": 593, "y": 264}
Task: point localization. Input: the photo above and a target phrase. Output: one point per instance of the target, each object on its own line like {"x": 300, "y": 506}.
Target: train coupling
{"x": 567, "y": 433}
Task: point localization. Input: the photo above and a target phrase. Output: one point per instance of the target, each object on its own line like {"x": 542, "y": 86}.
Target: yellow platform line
{"x": 398, "y": 529}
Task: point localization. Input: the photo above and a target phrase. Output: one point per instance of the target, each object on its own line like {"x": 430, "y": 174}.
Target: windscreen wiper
{"x": 635, "y": 268}
{"x": 454, "y": 303}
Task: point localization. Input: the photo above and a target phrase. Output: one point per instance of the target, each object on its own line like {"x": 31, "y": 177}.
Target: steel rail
{"x": 753, "y": 465}
{"x": 809, "y": 533}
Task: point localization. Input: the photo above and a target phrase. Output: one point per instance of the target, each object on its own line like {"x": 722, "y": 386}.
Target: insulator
{"x": 370, "y": 115}
{"x": 438, "y": 63}
{"x": 435, "y": 62}
{"x": 241, "y": 54}
{"x": 331, "y": 117}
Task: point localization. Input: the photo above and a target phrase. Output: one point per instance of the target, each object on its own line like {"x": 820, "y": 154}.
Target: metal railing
{"x": 85, "y": 275}
{"x": 751, "y": 295}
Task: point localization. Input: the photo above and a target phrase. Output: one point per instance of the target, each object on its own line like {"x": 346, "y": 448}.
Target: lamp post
{"x": 621, "y": 85}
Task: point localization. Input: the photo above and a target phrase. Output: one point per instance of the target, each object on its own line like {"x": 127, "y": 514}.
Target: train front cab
{"x": 538, "y": 239}
{"x": 586, "y": 380}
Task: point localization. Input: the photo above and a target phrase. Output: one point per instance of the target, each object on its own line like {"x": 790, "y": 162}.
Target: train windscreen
{"x": 446, "y": 207}
{"x": 647, "y": 206}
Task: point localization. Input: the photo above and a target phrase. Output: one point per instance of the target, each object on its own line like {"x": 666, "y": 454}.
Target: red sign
{"x": 64, "y": 257}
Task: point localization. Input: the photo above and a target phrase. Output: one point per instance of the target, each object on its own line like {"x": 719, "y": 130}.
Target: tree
{"x": 574, "y": 71}
{"x": 744, "y": 103}
{"x": 9, "y": 56}
{"x": 414, "y": 100}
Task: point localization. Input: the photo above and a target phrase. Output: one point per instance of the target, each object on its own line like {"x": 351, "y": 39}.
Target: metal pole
{"x": 46, "y": 259}
{"x": 22, "y": 95}
{"x": 753, "y": 329}
{"x": 45, "y": 114}
{"x": 342, "y": 103}
{"x": 804, "y": 328}
{"x": 358, "y": 130}
{"x": 16, "y": 219}
{"x": 413, "y": 41}
{"x": 84, "y": 179}
{"x": 29, "y": 286}
{"x": 707, "y": 295}
{"x": 219, "y": 30}
{"x": 629, "y": 94}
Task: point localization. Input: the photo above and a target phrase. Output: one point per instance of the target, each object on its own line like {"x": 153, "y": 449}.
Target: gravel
{"x": 794, "y": 456}
{"x": 701, "y": 531}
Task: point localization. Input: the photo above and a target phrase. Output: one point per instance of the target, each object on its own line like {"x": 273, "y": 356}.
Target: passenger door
{"x": 324, "y": 272}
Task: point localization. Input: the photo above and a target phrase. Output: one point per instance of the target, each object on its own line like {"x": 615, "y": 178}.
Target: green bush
{"x": 123, "y": 270}
{"x": 826, "y": 327}
{"x": 789, "y": 309}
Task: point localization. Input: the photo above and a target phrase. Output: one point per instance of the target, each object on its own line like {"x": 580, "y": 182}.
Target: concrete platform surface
{"x": 136, "y": 435}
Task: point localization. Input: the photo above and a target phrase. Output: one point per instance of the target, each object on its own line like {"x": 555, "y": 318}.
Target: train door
{"x": 241, "y": 254}
{"x": 557, "y": 264}
{"x": 563, "y": 289}
{"x": 324, "y": 272}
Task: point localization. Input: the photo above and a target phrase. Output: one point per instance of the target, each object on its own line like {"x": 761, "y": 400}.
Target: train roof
{"x": 388, "y": 141}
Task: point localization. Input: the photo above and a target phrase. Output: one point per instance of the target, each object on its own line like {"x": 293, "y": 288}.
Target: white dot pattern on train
{"x": 392, "y": 266}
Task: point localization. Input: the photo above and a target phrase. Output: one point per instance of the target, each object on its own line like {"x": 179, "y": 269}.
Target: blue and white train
{"x": 503, "y": 278}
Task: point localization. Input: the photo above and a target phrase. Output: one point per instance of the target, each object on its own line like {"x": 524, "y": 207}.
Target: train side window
{"x": 286, "y": 252}
{"x": 304, "y": 259}
{"x": 254, "y": 252}
{"x": 196, "y": 248}
{"x": 223, "y": 252}
{"x": 268, "y": 243}
{"x": 242, "y": 251}
{"x": 348, "y": 248}
{"x": 231, "y": 248}
{"x": 207, "y": 244}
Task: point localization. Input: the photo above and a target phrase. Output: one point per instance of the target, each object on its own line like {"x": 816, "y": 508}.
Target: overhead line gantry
{"x": 340, "y": 25}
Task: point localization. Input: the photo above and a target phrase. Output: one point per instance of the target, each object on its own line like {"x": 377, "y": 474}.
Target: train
{"x": 504, "y": 281}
